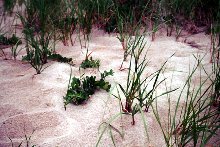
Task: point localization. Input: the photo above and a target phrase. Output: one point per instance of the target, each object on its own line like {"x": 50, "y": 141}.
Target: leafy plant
{"x": 3, "y": 40}
{"x": 90, "y": 63}
{"x": 102, "y": 84}
{"x": 79, "y": 90}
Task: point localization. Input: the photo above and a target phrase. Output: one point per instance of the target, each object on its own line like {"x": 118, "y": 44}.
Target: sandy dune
{"x": 30, "y": 102}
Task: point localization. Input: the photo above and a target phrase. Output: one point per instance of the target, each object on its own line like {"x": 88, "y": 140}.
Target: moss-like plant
{"x": 79, "y": 90}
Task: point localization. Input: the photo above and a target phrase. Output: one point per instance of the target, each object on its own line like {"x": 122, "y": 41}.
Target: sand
{"x": 32, "y": 105}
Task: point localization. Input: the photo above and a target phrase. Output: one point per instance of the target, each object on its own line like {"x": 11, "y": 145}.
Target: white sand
{"x": 35, "y": 102}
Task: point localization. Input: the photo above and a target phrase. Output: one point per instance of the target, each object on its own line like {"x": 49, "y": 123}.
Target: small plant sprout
{"x": 26, "y": 143}
{"x": 90, "y": 62}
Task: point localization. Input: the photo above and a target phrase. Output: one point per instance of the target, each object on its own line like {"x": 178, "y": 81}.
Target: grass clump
{"x": 80, "y": 89}
{"x": 137, "y": 85}
{"x": 196, "y": 121}
{"x": 39, "y": 32}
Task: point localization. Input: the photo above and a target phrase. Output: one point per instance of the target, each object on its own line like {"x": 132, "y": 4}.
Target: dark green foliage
{"x": 3, "y": 40}
{"x": 27, "y": 57}
{"x": 89, "y": 85}
{"x": 217, "y": 90}
{"x": 75, "y": 93}
{"x": 85, "y": 13}
{"x": 195, "y": 8}
{"x": 8, "y": 6}
{"x": 37, "y": 31}
{"x": 37, "y": 48}
{"x": 14, "y": 40}
{"x": 111, "y": 25}
{"x": 102, "y": 83}
{"x": 10, "y": 41}
{"x": 64, "y": 21}
{"x": 56, "y": 57}
{"x": 107, "y": 73}
{"x": 90, "y": 63}
{"x": 59, "y": 58}
{"x": 200, "y": 12}
{"x": 137, "y": 87}
{"x": 79, "y": 90}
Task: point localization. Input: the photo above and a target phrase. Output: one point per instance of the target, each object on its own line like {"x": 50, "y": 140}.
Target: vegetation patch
{"x": 59, "y": 58}
{"x": 10, "y": 41}
{"x": 90, "y": 63}
{"x": 79, "y": 90}
{"x": 56, "y": 57}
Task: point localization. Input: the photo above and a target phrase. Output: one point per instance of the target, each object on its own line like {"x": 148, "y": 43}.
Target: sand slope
{"x": 35, "y": 102}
